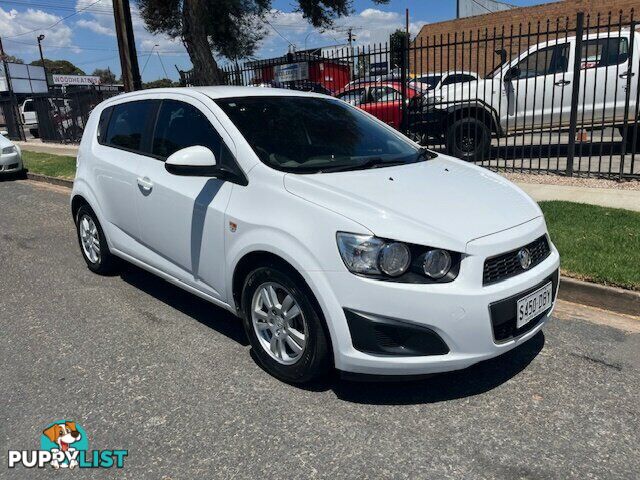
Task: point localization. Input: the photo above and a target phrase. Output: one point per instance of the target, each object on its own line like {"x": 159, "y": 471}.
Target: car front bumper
{"x": 10, "y": 162}
{"x": 459, "y": 313}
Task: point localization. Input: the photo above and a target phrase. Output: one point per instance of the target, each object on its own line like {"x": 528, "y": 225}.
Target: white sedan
{"x": 10, "y": 156}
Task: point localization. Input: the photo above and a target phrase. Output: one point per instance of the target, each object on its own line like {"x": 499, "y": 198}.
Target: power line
{"x": 55, "y": 23}
{"x": 162, "y": 63}
{"x": 100, "y": 11}
{"x": 276, "y": 30}
{"x": 97, "y": 49}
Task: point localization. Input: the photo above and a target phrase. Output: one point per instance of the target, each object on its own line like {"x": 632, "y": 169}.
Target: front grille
{"x": 507, "y": 265}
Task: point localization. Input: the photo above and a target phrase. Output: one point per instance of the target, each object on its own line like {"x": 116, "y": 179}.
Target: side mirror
{"x": 512, "y": 74}
{"x": 195, "y": 161}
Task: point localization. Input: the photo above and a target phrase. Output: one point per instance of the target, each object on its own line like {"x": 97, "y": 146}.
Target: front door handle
{"x": 145, "y": 184}
{"x": 626, "y": 74}
{"x": 562, "y": 83}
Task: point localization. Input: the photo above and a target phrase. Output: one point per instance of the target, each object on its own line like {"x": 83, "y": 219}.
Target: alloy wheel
{"x": 89, "y": 238}
{"x": 279, "y": 323}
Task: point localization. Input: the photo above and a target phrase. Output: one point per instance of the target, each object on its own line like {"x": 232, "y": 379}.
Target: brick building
{"x": 469, "y": 43}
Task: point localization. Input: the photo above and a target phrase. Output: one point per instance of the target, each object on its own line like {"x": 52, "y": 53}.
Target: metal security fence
{"x": 53, "y": 117}
{"x": 560, "y": 96}
{"x": 62, "y": 117}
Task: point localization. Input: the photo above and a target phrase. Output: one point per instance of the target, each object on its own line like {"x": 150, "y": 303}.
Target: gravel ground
{"x": 551, "y": 179}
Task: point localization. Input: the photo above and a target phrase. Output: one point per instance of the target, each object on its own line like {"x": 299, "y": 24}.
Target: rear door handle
{"x": 145, "y": 184}
{"x": 624, "y": 75}
{"x": 562, "y": 83}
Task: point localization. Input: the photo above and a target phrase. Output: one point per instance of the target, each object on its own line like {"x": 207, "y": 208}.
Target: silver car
{"x": 10, "y": 156}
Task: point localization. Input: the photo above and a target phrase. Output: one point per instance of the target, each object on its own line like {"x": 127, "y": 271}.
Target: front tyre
{"x": 285, "y": 329}
{"x": 93, "y": 243}
{"x": 469, "y": 139}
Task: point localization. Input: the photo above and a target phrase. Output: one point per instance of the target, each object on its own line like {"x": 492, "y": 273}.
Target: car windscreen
{"x": 430, "y": 81}
{"x": 311, "y": 135}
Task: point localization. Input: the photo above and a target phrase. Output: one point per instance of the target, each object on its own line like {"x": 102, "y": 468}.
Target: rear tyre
{"x": 285, "y": 329}
{"x": 469, "y": 139}
{"x": 633, "y": 132}
{"x": 93, "y": 243}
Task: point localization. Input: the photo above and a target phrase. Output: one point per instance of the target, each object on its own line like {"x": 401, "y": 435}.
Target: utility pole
{"x": 352, "y": 63}
{"x": 126, "y": 46}
{"x": 457, "y": 8}
{"x": 406, "y": 21}
{"x": 46, "y": 77}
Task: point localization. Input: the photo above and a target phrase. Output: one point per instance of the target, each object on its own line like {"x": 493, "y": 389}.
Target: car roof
{"x": 225, "y": 92}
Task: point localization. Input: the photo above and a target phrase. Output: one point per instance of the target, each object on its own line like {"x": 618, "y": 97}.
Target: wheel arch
{"x": 256, "y": 258}
{"x": 475, "y": 110}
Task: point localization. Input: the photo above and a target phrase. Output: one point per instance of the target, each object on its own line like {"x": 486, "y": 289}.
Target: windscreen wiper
{"x": 373, "y": 162}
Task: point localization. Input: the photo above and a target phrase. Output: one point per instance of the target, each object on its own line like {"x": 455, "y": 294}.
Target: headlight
{"x": 11, "y": 149}
{"x": 372, "y": 256}
{"x": 394, "y": 259}
{"x": 360, "y": 252}
{"x": 436, "y": 264}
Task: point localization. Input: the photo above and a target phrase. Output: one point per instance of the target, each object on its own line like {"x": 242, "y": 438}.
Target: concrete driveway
{"x": 144, "y": 366}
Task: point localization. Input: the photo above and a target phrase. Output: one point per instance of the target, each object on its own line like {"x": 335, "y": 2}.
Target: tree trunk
{"x": 194, "y": 37}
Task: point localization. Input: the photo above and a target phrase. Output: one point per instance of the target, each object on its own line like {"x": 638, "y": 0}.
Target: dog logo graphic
{"x": 64, "y": 437}
{"x": 64, "y": 444}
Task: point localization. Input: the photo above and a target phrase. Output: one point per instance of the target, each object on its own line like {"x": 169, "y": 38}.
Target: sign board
{"x": 76, "y": 80}
{"x": 23, "y": 79}
{"x": 291, "y": 72}
{"x": 378, "y": 68}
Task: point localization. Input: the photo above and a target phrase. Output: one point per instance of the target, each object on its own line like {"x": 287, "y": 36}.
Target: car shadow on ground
{"x": 10, "y": 177}
{"x": 475, "y": 380}
{"x": 201, "y": 310}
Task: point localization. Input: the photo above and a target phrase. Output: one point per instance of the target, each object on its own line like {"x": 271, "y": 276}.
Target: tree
{"x": 59, "y": 67}
{"x": 231, "y": 28}
{"x": 398, "y": 42}
{"x": 13, "y": 59}
{"x": 106, "y": 76}
{"x": 160, "y": 83}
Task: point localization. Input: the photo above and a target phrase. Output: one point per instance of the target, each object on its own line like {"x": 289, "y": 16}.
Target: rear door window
{"x": 128, "y": 125}
{"x": 604, "y": 52}
{"x": 180, "y": 125}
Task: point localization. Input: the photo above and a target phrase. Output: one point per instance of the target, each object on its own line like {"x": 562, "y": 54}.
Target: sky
{"x": 87, "y": 37}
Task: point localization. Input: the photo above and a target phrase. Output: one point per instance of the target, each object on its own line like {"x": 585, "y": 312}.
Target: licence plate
{"x": 533, "y": 304}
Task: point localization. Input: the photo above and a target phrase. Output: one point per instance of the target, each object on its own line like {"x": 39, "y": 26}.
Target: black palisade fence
{"x": 560, "y": 96}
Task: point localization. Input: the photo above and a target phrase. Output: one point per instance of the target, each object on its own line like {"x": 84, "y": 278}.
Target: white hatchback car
{"x": 338, "y": 241}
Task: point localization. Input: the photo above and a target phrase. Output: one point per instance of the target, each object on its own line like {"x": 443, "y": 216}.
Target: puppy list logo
{"x": 64, "y": 444}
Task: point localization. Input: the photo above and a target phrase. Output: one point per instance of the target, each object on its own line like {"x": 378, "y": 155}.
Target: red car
{"x": 381, "y": 99}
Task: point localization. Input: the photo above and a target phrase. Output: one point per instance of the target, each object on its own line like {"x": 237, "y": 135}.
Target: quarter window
{"x": 128, "y": 123}
{"x": 103, "y": 123}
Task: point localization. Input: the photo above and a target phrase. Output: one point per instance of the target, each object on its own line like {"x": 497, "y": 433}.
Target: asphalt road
{"x": 143, "y": 366}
